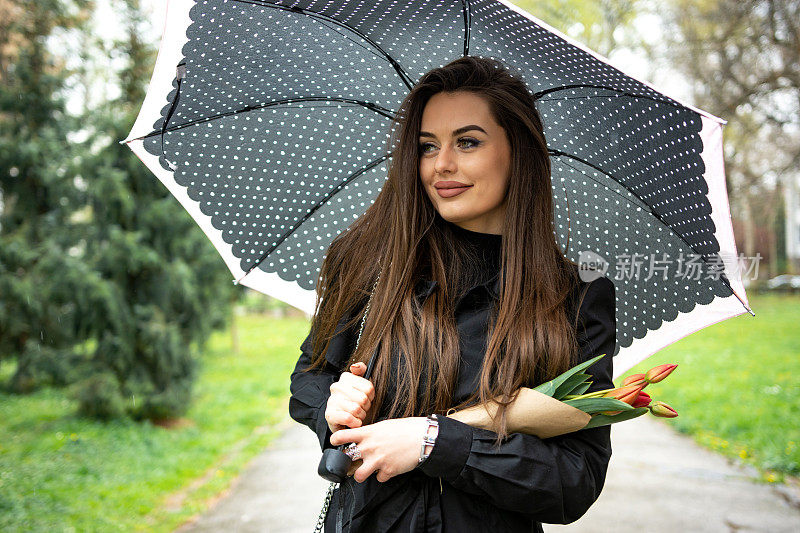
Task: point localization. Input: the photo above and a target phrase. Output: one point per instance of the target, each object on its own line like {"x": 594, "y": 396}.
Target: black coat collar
{"x": 424, "y": 287}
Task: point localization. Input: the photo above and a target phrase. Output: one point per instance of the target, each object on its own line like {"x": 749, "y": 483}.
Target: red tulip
{"x": 643, "y": 400}
{"x": 634, "y": 379}
{"x": 659, "y": 408}
{"x": 657, "y": 373}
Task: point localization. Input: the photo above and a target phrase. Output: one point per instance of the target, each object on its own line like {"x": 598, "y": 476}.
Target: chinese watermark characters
{"x": 662, "y": 267}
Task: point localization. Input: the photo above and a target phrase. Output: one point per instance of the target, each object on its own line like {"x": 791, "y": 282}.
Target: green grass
{"x": 737, "y": 386}
{"x": 59, "y": 472}
{"x": 736, "y": 389}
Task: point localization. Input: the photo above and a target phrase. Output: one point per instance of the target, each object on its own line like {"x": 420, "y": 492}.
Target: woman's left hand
{"x": 390, "y": 447}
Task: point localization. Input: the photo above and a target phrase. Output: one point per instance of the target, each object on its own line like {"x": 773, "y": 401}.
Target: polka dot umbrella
{"x": 269, "y": 120}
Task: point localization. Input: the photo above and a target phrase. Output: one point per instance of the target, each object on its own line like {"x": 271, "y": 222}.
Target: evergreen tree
{"x": 106, "y": 283}
{"x": 169, "y": 288}
{"x": 38, "y": 194}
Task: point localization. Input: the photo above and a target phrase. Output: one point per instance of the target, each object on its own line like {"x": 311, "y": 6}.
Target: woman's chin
{"x": 455, "y": 216}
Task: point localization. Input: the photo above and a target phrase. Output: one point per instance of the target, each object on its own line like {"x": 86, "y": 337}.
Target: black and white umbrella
{"x": 269, "y": 120}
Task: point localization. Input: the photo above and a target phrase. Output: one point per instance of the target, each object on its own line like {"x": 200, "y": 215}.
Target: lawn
{"x": 737, "y": 386}
{"x": 736, "y": 389}
{"x": 59, "y": 472}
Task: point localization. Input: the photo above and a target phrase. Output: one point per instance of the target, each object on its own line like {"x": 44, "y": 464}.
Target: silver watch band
{"x": 428, "y": 439}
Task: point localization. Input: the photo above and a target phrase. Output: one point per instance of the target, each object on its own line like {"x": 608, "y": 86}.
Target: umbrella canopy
{"x": 269, "y": 122}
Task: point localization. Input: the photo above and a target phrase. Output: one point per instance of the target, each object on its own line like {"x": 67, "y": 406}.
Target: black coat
{"x": 465, "y": 485}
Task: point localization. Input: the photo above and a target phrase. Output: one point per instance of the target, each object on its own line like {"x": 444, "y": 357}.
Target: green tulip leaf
{"x": 596, "y": 405}
{"x": 604, "y": 420}
{"x": 547, "y": 388}
{"x": 550, "y": 387}
{"x": 569, "y": 385}
{"x": 580, "y": 389}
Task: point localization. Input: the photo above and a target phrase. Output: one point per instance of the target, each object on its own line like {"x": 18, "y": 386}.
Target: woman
{"x": 474, "y": 300}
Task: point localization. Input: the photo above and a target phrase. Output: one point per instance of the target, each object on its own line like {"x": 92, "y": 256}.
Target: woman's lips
{"x": 449, "y": 193}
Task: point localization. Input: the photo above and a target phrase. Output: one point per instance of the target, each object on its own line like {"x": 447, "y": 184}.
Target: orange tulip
{"x": 626, "y": 394}
{"x": 657, "y": 373}
{"x": 634, "y": 379}
{"x": 659, "y": 408}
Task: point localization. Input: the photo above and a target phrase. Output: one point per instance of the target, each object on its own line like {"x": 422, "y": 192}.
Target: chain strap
{"x": 323, "y": 513}
{"x": 366, "y": 310}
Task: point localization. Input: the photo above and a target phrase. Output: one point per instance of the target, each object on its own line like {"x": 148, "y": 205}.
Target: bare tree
{"x": 743, "y": 59}
{"x": 602, "y": 25}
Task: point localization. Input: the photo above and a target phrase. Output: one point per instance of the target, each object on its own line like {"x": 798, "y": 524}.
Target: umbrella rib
{"x": 465, "y": 9}
{"x": 722, "y": 275}
{"x": 369, "y": 105}
{"x": 587, "y": 97}
{"x": 643, "y": 204}
{"x": 538, "y": 95}
{"x": 311, "y": 211}
{"x": 313, "y": 14}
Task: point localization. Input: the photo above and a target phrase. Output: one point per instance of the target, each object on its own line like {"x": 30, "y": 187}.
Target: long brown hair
{"x": 531, "y": 337}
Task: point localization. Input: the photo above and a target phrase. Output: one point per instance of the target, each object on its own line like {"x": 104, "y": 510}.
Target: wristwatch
{"x": 429, "y": 439}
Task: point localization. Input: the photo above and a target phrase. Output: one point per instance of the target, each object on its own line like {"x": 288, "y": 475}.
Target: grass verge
{"x": 737, "y": 386}
{"x": 60, "y": 472}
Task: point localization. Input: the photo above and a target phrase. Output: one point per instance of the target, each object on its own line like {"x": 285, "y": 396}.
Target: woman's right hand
{"x": 350, "y": 400}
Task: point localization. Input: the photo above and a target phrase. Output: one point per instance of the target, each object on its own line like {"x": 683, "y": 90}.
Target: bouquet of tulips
{"x": 562, "y": 405}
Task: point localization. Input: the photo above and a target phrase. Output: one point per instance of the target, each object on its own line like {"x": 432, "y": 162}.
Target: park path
{"x": 659, "y": 481}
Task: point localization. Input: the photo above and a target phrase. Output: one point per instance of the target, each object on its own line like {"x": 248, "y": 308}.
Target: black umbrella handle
{"x": 334, "y": 463}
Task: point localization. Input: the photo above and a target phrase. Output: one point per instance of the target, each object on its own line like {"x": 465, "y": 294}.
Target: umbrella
{"x": 269, "y": 120}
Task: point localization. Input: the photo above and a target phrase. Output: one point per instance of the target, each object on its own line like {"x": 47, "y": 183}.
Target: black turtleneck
{"x": 483, "y": 251}
{"x": 487, "y": 240}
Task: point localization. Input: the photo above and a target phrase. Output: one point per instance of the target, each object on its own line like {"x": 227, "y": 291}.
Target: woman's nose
{"x": 445, "y": 161}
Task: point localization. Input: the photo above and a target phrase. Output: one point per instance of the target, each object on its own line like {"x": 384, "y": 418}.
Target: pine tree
{"x": 169, "y": 287}
{"x": 38, "y": 195}
{"x": 106, "y": 283}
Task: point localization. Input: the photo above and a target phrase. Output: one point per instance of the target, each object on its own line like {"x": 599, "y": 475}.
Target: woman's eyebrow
{"x": 455, "y": 132}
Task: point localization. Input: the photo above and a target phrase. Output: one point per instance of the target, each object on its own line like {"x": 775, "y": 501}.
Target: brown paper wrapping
{"x": 531, "y": 412}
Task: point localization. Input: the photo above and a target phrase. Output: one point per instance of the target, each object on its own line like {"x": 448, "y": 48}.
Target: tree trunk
{"x": 749, "y": 227}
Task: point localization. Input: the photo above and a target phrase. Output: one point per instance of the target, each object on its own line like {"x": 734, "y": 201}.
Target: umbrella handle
{"x": 334, "y": 464}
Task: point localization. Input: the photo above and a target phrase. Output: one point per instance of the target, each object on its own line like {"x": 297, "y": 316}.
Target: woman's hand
{"x": 350, "y": 400}
{"x": 390, "y": 447}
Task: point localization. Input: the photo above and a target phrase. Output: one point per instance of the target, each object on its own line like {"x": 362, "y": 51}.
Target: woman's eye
{"x": 470, "y": 143}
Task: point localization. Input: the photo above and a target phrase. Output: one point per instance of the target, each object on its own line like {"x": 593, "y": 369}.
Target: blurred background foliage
{"x": 107, "y": 286}
{"x": 117, "y": 315}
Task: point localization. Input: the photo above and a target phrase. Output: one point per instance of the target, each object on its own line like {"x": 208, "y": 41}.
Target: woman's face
{"x": 464, "y": 161}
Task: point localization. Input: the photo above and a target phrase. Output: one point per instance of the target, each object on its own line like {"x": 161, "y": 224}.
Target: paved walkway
{"x": 658, "y": 481}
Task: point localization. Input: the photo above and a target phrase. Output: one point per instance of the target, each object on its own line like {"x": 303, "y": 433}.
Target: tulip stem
{"x": 595, "y": 394}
